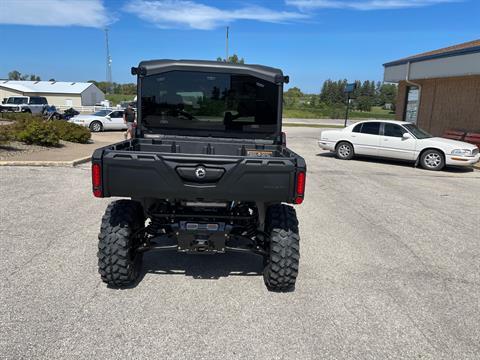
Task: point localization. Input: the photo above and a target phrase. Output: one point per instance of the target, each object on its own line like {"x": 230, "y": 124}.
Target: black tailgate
{"x": 172, "y": 176}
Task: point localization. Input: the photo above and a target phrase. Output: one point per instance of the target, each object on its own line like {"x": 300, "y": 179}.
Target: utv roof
{"x": 266, "y": 73}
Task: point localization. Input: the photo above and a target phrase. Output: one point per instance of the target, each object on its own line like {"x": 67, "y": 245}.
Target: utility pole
{"x": 108, "y": 63}
{"x": 226, "y": 46}
{"x": 348, "y": 108}
{"x": 349, "y": 89}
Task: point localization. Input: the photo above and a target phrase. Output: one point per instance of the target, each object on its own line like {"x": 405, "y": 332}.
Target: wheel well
{"x": 96, "y": 121}
{"x": 431, "y": 148}
{"x": 343, "y": 141}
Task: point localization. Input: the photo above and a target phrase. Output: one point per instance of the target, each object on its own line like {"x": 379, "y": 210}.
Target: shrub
{"x": 38, "y": 132}
{"x": 5, "y": 134}
{"x": 19, "y": 116}
{"x": 72, "y": 132}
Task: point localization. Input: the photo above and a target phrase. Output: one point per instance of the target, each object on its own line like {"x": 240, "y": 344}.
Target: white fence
{"x": 85, "y": 109}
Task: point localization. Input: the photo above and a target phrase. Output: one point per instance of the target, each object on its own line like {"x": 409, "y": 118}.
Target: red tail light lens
{"x": 97, "y": 180}
{"x": 300, "y": 188}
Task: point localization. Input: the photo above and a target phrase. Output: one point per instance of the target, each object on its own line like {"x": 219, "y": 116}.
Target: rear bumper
{"x": 326, "y": 145}
{"x": 462, "y": 160}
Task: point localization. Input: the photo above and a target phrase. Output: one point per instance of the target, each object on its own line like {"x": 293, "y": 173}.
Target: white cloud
{"x": 180, "y": 13}
{"x": 89, "y": 13}
{"x": 364, "y": 4}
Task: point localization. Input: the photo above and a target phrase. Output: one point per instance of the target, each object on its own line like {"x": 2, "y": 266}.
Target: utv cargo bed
{"x": 194, "y": 169}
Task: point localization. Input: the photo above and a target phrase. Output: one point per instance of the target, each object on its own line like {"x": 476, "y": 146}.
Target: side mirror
{"x": 4, "y": 101}
{"x": 108, "y": 117}
{"x": 406, "y": 136}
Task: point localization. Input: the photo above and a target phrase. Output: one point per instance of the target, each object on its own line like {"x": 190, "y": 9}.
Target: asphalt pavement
{"x": 390, "y": 269}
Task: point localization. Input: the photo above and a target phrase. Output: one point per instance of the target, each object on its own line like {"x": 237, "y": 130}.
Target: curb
{"x": 72, "y": 163}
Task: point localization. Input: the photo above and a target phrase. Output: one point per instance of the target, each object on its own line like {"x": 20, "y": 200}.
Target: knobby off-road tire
{"x": 118, "y": 262}
{"x": 281, "y": 271}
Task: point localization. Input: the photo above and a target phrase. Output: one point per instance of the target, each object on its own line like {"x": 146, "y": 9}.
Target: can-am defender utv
{"x": 208, "y": 171}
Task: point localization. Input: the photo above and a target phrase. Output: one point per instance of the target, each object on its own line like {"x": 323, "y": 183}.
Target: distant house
{"x": 440, "y": 89}
{"x": 58, "y": 93}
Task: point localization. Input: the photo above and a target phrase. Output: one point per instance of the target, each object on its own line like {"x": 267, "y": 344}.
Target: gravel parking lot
{"x": 390, "y": 269}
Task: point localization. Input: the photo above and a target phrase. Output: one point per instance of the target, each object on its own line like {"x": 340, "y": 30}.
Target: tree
{"x": 387, "y": 94}
{"x": 17, "y": 75}
{"x": 333, "y": 92}
{"x": 364, "y": 103}
{"x": 292, "y": 97}
{"x": 232, "y": 59}
{"x": 14, "y": 75}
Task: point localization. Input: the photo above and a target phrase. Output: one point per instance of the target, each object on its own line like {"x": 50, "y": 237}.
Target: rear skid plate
{"x": 201, "y": 238}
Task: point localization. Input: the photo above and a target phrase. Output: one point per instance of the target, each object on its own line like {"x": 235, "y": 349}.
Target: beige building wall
{"x": 5, "y": 93}
{"x": 73, "y": 100}
{"x": 63, "y": 99}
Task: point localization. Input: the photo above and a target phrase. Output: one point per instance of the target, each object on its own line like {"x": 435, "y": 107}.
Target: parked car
{"x": 30, "y": 104}
{"x": 398, "y": 140}
{"x": 105, "y": 119}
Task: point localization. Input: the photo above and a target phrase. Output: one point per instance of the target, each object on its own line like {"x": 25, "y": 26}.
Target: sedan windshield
{"x": 417, "y": 132}
{"x": 209, "y": 102}
{"x": 102, "y": 113}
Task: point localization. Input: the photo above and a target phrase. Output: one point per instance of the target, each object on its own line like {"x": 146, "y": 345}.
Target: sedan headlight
{"x": 462, "y": 152}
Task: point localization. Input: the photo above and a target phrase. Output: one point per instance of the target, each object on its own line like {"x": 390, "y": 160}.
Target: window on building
{"x": 411, "y": 106}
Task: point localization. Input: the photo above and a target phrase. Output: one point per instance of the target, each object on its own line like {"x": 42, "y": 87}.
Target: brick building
{"x": 440, "y": 89}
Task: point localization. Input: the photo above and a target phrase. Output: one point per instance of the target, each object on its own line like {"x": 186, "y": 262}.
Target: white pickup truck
{"x": 30, "y": 104}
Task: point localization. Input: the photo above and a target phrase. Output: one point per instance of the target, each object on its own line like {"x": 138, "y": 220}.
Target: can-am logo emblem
{"x": 200, "y": 172}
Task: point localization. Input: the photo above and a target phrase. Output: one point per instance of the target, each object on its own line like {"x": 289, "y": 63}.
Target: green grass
{"x": 117, "y": 98}
{"x": 312, "y": 125}
{"x": 376, "y": 113}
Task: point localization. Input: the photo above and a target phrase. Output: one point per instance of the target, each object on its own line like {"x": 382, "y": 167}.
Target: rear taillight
{"x": 300, "y": 187}
{"x": 97, "y": 180}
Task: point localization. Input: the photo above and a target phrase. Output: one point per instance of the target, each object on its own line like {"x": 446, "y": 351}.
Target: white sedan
{"x": 398, "y": 140}
{"x": 101, "y": 120}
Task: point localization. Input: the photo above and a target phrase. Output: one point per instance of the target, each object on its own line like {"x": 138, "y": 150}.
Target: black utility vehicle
{"x": 207, "y": 172}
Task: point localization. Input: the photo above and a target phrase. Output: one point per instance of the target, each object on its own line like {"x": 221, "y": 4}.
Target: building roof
{"x": 263, "y": 72}
{"x": 59, "y": 87}
{"x": 460, "y": 49}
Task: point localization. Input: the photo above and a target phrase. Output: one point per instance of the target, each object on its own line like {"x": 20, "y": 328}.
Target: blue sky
{"x": 311, "y": 40}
